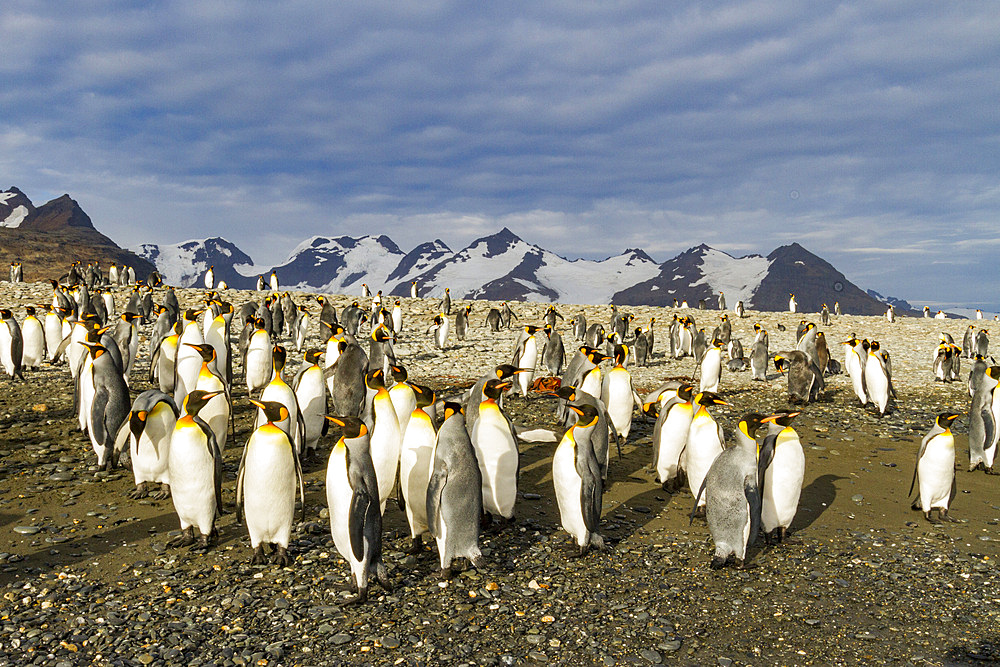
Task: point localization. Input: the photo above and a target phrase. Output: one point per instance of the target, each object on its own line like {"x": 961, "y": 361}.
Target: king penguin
{"x": 109, "y": 407}
{"x": 148, "y": 429}
{"x": 984, "y": 417}
{"x": 266, "y": 484}
{"x": 11, "y": 345}
{"x": 577, "y": 481}
{"x": 781, "y": 469}
{"x": 878, "y": 379}
{"x": 619, "y": 395}
{"x": 935, "y": 470}
{"x": 705, "y": 442}
{"x": 352, "y": 497}
{"x": 732, "y": 497}
{"x": 310, "y": 394}
{"x": 496, "y": 451}
{"x": 670, "y": 435}
{"x": 454, "y": 493}
{"x": 525, "y": 357}
{"x": 194, "y": 466}
{"x": 416, "y": 458}
{"x": 386, "y": 438}
{"x": 711, "y": 367}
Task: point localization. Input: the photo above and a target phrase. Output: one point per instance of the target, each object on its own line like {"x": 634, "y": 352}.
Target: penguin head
{"x": 197, "y": 399}
{"x": 587, "y": 414}
{"x": 705, "y": 398}
{"x": 399, "y": 373}
{"x": 206, "y": 351}
{"x": 451, "y": 409}
{"x": 380, "y": 334}
{"x": 424, "y": 395}
{"x": 685, "y": 392}
{"x": 945, "y": 419}
{"x": 780, "y": 363}
{"x": 530, "y": 329}
{"x": 350, "y": 427}
{"x": 278, "y": 357}
{"x": 621, "y": 353}
{"x": 750, "y": 422}
{"x": 312, "y": 355}
{"x": 30, "y": 310}
{"x": 494, "y": 388}
{"x": 651, "y": 409}
{"x": 782, "y": 417}
{"x": 129, "y": 317}
{"x": 504, "y": 371}
{"x": 137, "y": 422}
{"x": 274, "y": 411}
{"x": 375, "y": 379}
{"x": 566, "y": 392}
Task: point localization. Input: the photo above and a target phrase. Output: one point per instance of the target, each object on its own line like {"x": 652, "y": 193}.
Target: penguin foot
{"x": 990, "y": 471}
{"x": 741, "y": 564}
{"x": 186, "y": 538}
{"x": 699, "y": 512}
{"x": 445, "y": 573}
{"x": 280, "y": 557}
{"x": 718, "y": 562}
{"x": 141, "y": 491}
{"x": 259, "y": 557}
{"x": 163, "y": 493}
{"x": 478, "y": 562}
{"x": 944, "y": 516}
{"x": 202, "y": 545}
{"x": 927, "y": 515}
{"x": 915, "y": 505}
{"x": 416, "y": 546}
{"x": 362, "y": 596}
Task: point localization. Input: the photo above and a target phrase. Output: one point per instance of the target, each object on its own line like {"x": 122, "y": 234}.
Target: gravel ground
{"x": 85, "y": 576}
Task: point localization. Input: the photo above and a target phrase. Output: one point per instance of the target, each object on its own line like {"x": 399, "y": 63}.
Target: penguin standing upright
{"x": 217, "y": 410}
{"x": 445, "y": 304}
{"x": 403, "y": 396}
{"x": 109, "y": 406}
{"x": 804, "y": 378}
{"x": 194, "y": 466}
{"x": 722, "y": 300}
{"x": 854, "y": 360}
{"x": 278, "y": 390}
{"x": 454, "y": 493}
{"x": 53, "y": 331}
{"x": 310, "y": 395}
{"x": 984, "y": 422}
{"x": 553, "y": 352}
{"x": 732, "y": 497}
{"x": 413, "y": 289}
{"x": 605, "y": 431}
{"x": 793, "y": 305}
{"x": 781, "y": 469}
{"x": 619, "y": 395}
{"x": 507, "y": 315}
{"x": 416, "y": 458}
{"x": 525, "y": 357}
{"x": 352, "y": 497}
{"x": 32, "y": 340}
{"x": 265, "y": 486}
{"x": 462, "y": 322}
{"x": 934, "y": 473}
{"x": 11, "y": 345}
{"x": 670, "y": 435}
{"x": 273, "y": 281}
{"x": 148, "y": 428}
{"x": 759, "y": 354}
{"x": 496, "y": 451}
{"x": 824, "y": 316}
{"x": 257, "y": 361}
{"x": 188, "y": 363}
{"x": 711, "y": 367}
{"x": 397, "y": 317}
{"x": 386, "y": 438}
{"x": 210, "y": 278}
{"x": 577, "y": 481}
{"x": 579, "y": 324}
{"x": 439, "y": 329}
{"x": 704, "y": 443}
{"x": 347, "y": 373}
{"x": 878, "y": 379}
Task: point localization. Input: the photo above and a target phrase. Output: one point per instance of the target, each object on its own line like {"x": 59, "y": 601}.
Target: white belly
{"x": 385, "y": 444}
{"x": 311, "y": 398}
{"x": 416, "y": 461}
{"x": 782, "y": 486}
{"x": 703, "y": 446}
{"x": 711, "y": 370}
{"x": 592, "y": 383}
{"x": 192, "y": 479}
{"x": 529, "y": 358}
{"x": 876, "y": 384}
{"x": 568, "y": 484}
{"x": 617, "y": 396}
{"x": 338, "y": 499}
{"x": 936, "y": 473}
{"x": 34, "y": 343}
{"x": 269, "y": 490}
{"x": 151, "y": 452}
{"x": 673, "y": 437}
{"x": 496, "y": 452}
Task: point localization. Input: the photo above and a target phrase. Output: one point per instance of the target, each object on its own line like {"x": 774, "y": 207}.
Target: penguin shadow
{"x": 814, "y": 500}
{"x": 985, "y": 651}
{"x": 48, "y": 556}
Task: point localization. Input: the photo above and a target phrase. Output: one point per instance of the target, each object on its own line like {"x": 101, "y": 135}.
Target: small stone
{"x": 531, "y": 496}
{"x": 390, "y": 642}
{"x": 145, "y": 658}
{"x": 27, "y": 530}
{"x": 340, "y": 638}
{"x": 650, "y": 656}
{"x": 857, "y": 497}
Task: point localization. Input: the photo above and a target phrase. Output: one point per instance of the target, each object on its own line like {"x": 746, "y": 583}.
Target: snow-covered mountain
{"x": 503, "y": 266}
{"x": 184, "y": 264}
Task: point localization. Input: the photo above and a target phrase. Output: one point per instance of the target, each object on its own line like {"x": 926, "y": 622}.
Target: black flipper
{"x": 752, "y": 493}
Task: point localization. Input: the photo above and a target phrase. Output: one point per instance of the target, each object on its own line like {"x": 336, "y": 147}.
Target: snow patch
{"x": 738, "y": 278}
{"x": 16, "y": 216}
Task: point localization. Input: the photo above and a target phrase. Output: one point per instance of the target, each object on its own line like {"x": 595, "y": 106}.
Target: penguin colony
{"x": 452, "y": 461}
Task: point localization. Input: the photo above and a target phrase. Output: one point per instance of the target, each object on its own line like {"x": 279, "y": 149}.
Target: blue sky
{"x": 868, "y": 132}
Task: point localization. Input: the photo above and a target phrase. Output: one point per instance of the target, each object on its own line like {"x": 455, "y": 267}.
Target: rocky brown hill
{"x": 48, "y": 238}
